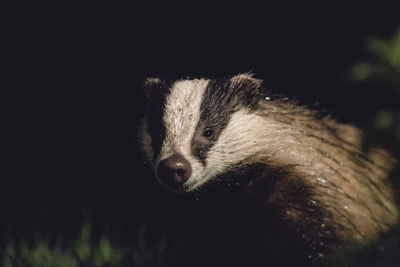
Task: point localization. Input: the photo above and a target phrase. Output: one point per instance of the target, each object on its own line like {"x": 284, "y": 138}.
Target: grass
{"x": 82, "y": 251}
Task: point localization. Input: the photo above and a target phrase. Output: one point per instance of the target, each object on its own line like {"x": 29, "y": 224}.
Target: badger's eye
{"x": 208, "y": 133}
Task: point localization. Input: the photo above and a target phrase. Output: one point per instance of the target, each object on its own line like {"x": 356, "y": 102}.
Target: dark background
{"x": 77, "y": 66}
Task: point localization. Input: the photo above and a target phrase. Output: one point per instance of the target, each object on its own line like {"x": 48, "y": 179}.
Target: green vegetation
{"x": 384, "y": 63}
{"x": 84, "y": 251}
{"x": 146, "y": 247}
{"x": 383, "y": 69}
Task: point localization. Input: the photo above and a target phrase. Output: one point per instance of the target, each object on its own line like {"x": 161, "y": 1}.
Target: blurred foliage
{"x": 148, "y": 246}
{"x": 40, "y": 254}
{"x": 83, "y": 251}
{"x": 384, "y": 65}
{"x": 383, "y": 69}
{"x": 385, "y": 128}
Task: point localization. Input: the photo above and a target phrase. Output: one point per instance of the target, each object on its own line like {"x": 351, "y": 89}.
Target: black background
{"x": 77, "y": 67}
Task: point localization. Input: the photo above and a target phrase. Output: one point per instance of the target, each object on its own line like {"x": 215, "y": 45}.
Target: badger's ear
{"x": 149, "y": 86}
{"x": 246, "y": 81}
{"x": 247, "y": 86}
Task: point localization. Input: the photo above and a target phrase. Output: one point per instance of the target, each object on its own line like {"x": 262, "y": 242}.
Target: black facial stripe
{"x": 219, "y": 102}
{"x": 155, "y": 112}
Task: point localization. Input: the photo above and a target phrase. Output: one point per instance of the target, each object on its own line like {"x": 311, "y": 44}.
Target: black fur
{"x": 236, "y": 224}
{"x": 262, "y": 214}
{"x": 221, "y": 99}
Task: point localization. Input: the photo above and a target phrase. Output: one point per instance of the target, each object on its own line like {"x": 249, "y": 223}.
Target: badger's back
{"x": 351, "y": 186}
{"x": 296, "y": 181}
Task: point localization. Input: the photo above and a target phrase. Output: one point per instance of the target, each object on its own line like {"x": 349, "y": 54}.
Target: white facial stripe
{"x": 240, "y": 139}
{"x": 181, "y": 116}
{"x": 246, "y": 135}
{"x": 230, "y": 142}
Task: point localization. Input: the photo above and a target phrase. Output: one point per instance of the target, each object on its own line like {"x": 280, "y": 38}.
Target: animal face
{"x": 196, "y": 129}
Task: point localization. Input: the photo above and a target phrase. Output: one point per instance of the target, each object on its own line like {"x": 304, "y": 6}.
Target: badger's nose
{"x": 174, "y": 171}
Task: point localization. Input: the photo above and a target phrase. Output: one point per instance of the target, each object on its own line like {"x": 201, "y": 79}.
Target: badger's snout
{"x": 174, "y": 171}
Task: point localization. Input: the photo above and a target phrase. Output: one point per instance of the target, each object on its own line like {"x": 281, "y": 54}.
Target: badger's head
{"x": 196, "y": 129}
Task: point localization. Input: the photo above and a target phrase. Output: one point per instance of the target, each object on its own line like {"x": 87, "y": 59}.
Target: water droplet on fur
{"x": 320, "y": 255}
{"x": 309, "y": 256}
{"x": 237, "y": 183}
{"x": 197, "y": 199}
{"x": 322, "y": 180}
{"x": 267, "y": 98}
{"x": 346, "y": 207}
{"x": 313, "y": 202}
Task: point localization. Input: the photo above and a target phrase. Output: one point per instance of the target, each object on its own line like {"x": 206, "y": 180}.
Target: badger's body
{"x": 302, "y": 179}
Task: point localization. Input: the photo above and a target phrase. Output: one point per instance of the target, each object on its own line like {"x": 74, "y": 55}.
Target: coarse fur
{"x": 302, "y": 173}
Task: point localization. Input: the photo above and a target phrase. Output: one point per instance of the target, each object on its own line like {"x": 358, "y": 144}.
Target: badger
{"x": 299, "y": 183}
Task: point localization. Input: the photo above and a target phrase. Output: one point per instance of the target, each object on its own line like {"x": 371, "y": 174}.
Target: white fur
{"x": 246, "y": 135}
{"x": 331, "y": 168}
{"x": 181, "y": 116}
